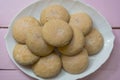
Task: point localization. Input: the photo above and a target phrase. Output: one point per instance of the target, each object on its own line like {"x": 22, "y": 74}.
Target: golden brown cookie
{"x": 54, "y": 12}
{"x": 48, "y": 66}
{"x": 81, "y": 20}
{"x": 23, "y": 55}
{"x": 57, "y": 33}
{"x": 76, "y": 45}
{"x": 94, "y": 42}
{"x": 20, "y": 27}
{"x": 76, "y": 64}
{"x": 36, "y": 43}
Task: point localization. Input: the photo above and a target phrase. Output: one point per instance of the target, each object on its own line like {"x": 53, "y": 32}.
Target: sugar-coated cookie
{"x": 57, "y": 33}
{"x": 94, "y": 42}
{"x": 48, "y": 66}
{"x": 76, "y": 64}
{"x": 36, "y": 43}
{"x": 20, "y": 27}
{"x": 23, "y": 55}
{"x": 54, "y": 12}
{"x": 76, "y": 45}
{"x": 81, "y": 20}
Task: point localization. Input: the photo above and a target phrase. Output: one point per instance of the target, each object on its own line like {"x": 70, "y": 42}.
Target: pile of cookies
{"x": 59, "y": 40}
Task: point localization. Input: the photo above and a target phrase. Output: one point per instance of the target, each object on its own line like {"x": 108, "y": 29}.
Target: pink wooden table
{"x": 109, "y": 8}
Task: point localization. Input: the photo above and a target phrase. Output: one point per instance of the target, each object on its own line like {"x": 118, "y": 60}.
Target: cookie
{"x": 57, "y": 33}
{"x": 36, "y": 43}
{"x": 48, "y": 66}
{"x": 83, "y": 21}
{"x": 54, "y": 12}
{"x": 94, "y": 42}
{"x": 76, "y": 64}
{"x": 20, "y": 27}
{"x": 23, "y": 55}
{"x": 76, "y": 45}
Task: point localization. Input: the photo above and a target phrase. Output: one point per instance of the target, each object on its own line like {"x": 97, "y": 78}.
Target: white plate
{"x": 72, "y": 6}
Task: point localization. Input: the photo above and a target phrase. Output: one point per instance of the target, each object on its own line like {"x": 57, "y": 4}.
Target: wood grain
{"x": 13, "y": 75}
{"x": 108, "y": 8}
{"x": 5, "y": 61}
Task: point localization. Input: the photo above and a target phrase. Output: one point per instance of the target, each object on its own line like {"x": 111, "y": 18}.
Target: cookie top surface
{"x": 54, "y": 12}
{"x": 81, "y": 20}
{"x": 36, "y": 43}
{"x": 48, "y": 66}
{"x": 23, "y": 55}
{"x": 76, "y": 64}
{"x": 20, "y": 27}
{"x": 94, "y": 42}
{"x": 57, "y": 33}
{"x": 76, "y": 45}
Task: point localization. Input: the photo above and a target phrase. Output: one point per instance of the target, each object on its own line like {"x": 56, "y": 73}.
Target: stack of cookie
{"x": 59, "y": 40}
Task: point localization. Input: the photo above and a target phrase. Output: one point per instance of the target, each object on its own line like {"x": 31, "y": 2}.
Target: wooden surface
{"x": 109, "y": 71}
{"x": 108, "y": 8}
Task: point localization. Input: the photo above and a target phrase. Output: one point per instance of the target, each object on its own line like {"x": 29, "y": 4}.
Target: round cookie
{"x": 20, "y": 27}
{"x": 57, "y": 33}
{"x": 81, "y": 20}
{"x": 36, "y": 43}
{"x": 76, "y": 45}
{"x": 48, "y": 66}
{"x": 76, "y": 64}
{"x": 23, "y": 55}
{"x": 54, "y": 12}
{"x": 94, "y": 42}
